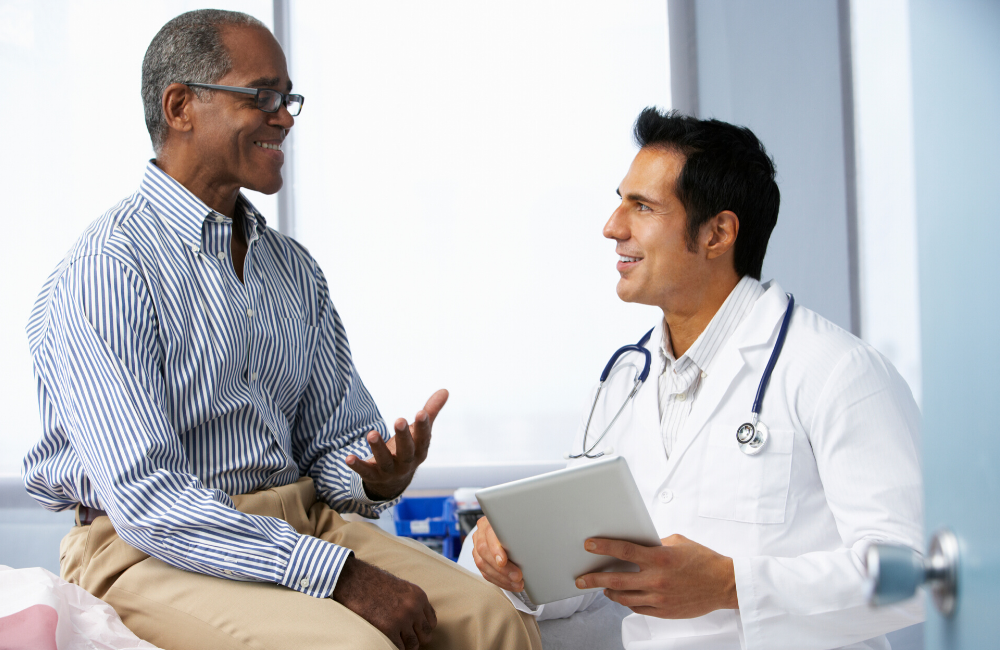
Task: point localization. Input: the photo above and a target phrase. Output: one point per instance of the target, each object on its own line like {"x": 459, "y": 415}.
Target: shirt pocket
{"x": 749, "y": 489}
{"x": 291, "y": 345}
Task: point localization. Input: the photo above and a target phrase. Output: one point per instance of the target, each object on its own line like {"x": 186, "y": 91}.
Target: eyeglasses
{"x": 268, "y": 100}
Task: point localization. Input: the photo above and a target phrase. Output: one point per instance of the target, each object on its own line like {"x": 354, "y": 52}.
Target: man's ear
{"x": 176, "y": 105}
{"x": 719, "y": 234}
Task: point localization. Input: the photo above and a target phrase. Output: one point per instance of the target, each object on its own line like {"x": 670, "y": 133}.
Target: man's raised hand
{"x": 390, "y": 469}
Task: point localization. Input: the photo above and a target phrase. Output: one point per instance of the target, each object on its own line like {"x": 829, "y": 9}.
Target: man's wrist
{"x": 729, "y": 596}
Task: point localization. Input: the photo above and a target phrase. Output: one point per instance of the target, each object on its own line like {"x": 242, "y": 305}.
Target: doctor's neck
{"x": 686, "y": 316}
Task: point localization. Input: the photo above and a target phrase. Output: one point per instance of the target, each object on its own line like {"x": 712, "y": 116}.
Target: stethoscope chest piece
{"x": 752, "y": 437}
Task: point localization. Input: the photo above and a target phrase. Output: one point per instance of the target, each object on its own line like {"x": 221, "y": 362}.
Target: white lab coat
{"x": 840, "y": 471}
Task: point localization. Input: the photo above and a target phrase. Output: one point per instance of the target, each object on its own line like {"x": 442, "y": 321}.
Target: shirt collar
{"x": 733, "y": 311}
{"x": 185, "y": 212}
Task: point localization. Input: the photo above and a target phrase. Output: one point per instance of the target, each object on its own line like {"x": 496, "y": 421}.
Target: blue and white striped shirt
{"x": 166, "y": 385}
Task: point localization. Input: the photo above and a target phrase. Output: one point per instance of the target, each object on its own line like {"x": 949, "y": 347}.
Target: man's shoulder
{"x": 102, "y": 240}
{"x": 825, "y": 352}
{"x": 107, "y": 235}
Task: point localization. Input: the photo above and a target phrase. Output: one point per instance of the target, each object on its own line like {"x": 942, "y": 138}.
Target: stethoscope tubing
{"x": 641, "y": 378}
{"x": 778, "y": 344}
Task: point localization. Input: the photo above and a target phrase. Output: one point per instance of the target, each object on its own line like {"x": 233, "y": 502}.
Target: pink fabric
{"x": 33, "y": 628}
{"x": 41, "y": 611}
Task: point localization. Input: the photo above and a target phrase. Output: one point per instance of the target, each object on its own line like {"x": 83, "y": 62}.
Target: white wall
{"x": 75, "y": 144}
{"x": 887, "y": 229}
{"x": 455, "y": 163}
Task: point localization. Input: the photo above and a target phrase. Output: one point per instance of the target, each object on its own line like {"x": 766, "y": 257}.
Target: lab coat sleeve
{"x": 865, "y": 437}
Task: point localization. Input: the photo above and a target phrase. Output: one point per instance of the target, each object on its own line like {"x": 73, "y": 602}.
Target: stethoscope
{"x": 751, "y": 436}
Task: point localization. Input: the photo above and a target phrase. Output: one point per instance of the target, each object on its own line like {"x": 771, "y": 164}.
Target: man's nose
{"x": 283, "y": 118}
{"x": 616, "y": 228}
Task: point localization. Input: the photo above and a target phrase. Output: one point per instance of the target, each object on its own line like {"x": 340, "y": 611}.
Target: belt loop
{"x": 78, "y": 506}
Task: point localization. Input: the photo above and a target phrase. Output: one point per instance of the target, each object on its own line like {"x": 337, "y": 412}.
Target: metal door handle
{"x": 896, "y": 571}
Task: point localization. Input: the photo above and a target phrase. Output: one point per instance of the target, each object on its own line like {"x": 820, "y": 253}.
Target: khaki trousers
{"x": 172, "y": 608}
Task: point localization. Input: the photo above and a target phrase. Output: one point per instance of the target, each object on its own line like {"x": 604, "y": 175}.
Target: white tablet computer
{"x": 544, "y": 520}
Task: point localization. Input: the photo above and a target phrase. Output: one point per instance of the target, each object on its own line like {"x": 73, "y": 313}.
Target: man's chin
{"x": 269, "y": 187}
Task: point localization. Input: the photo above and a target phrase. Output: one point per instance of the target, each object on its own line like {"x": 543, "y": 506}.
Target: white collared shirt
{"x": 680, "y": 379}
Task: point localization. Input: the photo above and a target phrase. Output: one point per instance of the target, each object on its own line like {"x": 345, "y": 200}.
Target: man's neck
{"x": 220, "y": 197}
{"x": 685, "y": 323}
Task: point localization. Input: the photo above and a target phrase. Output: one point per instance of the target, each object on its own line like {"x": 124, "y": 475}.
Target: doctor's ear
{"x": 718, "y": 234}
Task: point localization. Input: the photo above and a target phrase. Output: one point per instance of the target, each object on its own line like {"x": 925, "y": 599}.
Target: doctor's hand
{"x": 680, "y": 579}
{"x": 491, "y": 559}
{"x": 390, "y": 469}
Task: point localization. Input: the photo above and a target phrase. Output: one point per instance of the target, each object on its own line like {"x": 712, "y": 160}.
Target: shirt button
{"x": 249, "y": 313}
{"x": 666, "y": 496}
{"x": 194, "y": 249}
{"x": 253, "y": 376}
{"x": 682, "y": 397}
{"x": 704, "y": 374}
{"x": 221, "y": 255}
{"x": 304, "y": 582}
{"x": 228, "y": 572}
{"x": 220, "y": 218}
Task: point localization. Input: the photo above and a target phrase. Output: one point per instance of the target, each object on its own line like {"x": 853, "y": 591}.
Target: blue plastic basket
{"x": 430, "y": 518}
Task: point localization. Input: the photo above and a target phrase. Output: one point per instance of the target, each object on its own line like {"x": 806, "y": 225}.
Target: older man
{"x": 200, "y": 407}
{"x": 763, "y": 539}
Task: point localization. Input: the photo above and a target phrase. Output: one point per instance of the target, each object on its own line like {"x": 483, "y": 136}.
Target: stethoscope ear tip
{"x": 566, "y": 456}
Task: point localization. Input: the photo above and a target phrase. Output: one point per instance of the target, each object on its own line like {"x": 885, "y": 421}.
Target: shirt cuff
{"x": 522, "y": 603}
{"x": 360, "y": 496}
{"x": 315, "y": 566}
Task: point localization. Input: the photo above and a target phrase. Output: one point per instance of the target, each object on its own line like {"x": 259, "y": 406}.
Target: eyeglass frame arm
{"x": 252, "y": 91}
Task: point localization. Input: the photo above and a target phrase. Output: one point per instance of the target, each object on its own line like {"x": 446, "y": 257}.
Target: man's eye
{"x": 643, "y": 206}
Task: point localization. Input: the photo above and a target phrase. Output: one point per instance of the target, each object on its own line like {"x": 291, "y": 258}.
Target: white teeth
{"x": 628, "y": 259}
{"x": 276, "y": 147}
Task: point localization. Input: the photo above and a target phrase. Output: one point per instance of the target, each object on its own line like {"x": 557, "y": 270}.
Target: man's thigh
{"x": 471, "y": 613}
{"x": 176, "y": 609}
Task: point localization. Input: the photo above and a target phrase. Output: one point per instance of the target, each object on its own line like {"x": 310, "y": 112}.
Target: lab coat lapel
{"x": 649, "y": 455}
{"x": 758, "y": 329}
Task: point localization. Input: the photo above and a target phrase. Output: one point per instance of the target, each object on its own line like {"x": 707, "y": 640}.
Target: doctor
{"x": 759, "y": 550}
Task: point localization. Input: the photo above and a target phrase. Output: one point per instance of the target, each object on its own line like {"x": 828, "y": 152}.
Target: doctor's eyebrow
{"x": 638, "y": 198}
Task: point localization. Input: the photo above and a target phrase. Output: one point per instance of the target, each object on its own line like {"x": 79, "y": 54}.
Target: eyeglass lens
{"x": 269, "y": 101}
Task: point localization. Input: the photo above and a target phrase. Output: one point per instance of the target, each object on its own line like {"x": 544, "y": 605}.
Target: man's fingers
{"x": 380, "y": 453}
{"x": 435, "y": 404}
{"x": 617, "y": 548}
{"x": 431, "y": 616}
{"x": 630, "y": 581}
{"x": 494, "y": 575}
{"x": 494, "y": 547}
{"x": 365, "y": 469}
{"x": 631, "y": 599}
{"x": 423, "y": 631}
{"x": 404, "y": 442}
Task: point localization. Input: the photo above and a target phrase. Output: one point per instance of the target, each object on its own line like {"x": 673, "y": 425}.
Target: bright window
{"x": 454, "y": 165}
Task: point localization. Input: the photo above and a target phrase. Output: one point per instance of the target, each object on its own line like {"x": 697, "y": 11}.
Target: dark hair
{"x": 726, "y": 168}
{"x": 188, "y": 48}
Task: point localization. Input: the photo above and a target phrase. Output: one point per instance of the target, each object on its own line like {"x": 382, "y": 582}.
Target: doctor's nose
{"x": 616, "y": 227}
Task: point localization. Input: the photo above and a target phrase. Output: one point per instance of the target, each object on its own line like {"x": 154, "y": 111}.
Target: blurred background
{"x": 452, "y": 169}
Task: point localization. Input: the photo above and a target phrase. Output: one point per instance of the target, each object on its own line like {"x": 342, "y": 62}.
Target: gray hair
{"x": 188, "y": 48}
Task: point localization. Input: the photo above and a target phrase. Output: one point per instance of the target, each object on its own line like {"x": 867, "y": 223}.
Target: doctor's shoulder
{"x": 830, "y": 367}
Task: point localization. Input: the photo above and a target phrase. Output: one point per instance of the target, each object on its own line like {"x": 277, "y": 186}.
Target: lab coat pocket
{"x": 738, "y": 487}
